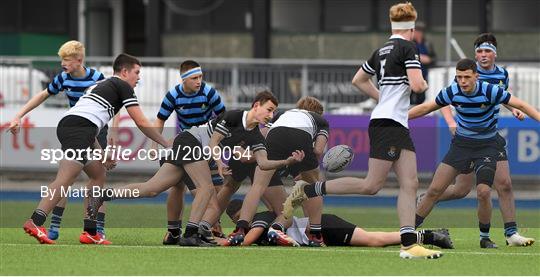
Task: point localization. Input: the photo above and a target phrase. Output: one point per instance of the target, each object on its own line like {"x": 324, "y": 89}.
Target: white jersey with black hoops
{"x": 311, "y": 122}
{"x": 104, "y": 100}
{"x": 390, "y": 64}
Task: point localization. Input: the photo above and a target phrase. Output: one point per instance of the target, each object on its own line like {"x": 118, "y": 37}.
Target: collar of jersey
{"x": 244, "y": 121}
{"x": 480, "y": 69}
{"x": 86, "y": 69}
{"x": 397, "y": 36}
{"x": 181, "y": 89}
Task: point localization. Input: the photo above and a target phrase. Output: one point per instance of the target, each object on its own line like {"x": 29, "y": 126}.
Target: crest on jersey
{"x": 416, "y": 57}
{"x": 203, "y": 106}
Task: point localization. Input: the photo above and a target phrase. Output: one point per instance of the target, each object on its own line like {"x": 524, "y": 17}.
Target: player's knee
{"x": 483, "y": 193}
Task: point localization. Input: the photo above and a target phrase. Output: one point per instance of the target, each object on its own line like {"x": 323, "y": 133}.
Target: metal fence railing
{"x": 239, "y": 79}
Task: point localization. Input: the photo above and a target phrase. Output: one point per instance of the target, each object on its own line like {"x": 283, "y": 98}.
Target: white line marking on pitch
{"x": 352, "y": 249}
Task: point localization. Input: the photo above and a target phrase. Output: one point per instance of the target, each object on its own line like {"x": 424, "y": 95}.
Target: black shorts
{"x": 502, "y": 155}
{"x": 102, "y": 137}
{"x": 387, "y": 138}
{"x": 216, "y": 178}
{"x": 467, "y": 154}
{"x": 241, "y": 171}
{"x": 76, "y": 133}
{"x": 336, "y": 231}
{"x": 186, "y": 149}
{"x": 282, "y": 141}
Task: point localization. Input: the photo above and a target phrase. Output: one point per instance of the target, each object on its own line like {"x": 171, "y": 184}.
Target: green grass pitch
{"x": 137, "y": 229}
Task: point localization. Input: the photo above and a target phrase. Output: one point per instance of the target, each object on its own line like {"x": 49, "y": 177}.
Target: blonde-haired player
{"x": 74, "y": 79}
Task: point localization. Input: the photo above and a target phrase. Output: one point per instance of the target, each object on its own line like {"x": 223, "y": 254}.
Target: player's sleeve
{"x": 226, "y": 121}
{"x": 215, "y": 103}
{"x": 499, "y": 95}
{"x": 506, "y": 79}
{"x": 411, "y": 59}
{"x": 56, "y": 85}
{"x": 369, "y": 66}
{"x": 127, "y": 95}
{"x": 444, "y": 98}
{"x": 167, "y": 105}
{"x": 322, "y": 125}
{"x": 263, "y": 219}
{"x": 256, "y": 143}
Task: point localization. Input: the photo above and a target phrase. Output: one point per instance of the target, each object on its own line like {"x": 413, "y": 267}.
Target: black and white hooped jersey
{"x": 390, "y": 64}
{"x": 311, "y": 122}
{"x": 104, "y": 100}
{"x": 232, "y": 125}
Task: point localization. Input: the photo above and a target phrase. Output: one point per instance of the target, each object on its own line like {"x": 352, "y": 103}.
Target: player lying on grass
{"x": 230, "y": 129}
{"x": 336, "y": 232}
{"x": 476, "y": 145}
{"x": 77, "y": 132}
{"x": 304, "y": 128}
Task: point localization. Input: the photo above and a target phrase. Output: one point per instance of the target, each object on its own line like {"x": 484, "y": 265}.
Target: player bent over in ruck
{"x": 228, "y": 130}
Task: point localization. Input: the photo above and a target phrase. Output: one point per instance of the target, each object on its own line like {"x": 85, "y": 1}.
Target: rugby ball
{"x": 338, "y": 158}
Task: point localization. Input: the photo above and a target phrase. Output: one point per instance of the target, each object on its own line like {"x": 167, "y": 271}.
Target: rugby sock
{"x": 242, "y": 225}
{"x": 56, "y": 218}
{"x": 100, "y": 223}
{"x": 419, "y": 220}
{"x": 174, "y": 227}
{"x": 425, "y": 237}
{"x": 278, "y": 226}
{"x": 510, "y": 228}
{"x": 316, "y": 189}
{"x": 90, "y": 226}
{"x": 192, "y": 228}
{"x": 39, "y": 217}
{"x": 484, "y": 230}
{"x": 408, "y": 236}
{"x": 315, "y": 229}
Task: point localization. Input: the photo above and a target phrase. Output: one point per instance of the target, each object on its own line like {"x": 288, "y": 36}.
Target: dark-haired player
{"x": 485, "y": 54}
{"x": 230, "y": 129}
{"x": 303, "y": 129}
{"x": 476, "y": 144}
{"x": 77, "y": 131}
{"x": 195, "y": 102}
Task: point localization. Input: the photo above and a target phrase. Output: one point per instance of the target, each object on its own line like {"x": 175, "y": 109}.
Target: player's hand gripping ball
{"x": 338, "y": 158}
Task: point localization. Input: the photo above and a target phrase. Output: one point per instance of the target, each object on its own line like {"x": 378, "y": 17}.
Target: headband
{"x": 404, "y": 25}
{"x": 191, "y": 72}
{"x": 486, "y": 45}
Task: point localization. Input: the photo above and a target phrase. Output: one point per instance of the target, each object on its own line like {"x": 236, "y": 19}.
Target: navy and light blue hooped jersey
{"x": 191, "y": 109}
{"x": 496, "y": 76}
{"x": 72, "y": 86}
{"x": 478, "y": 112}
